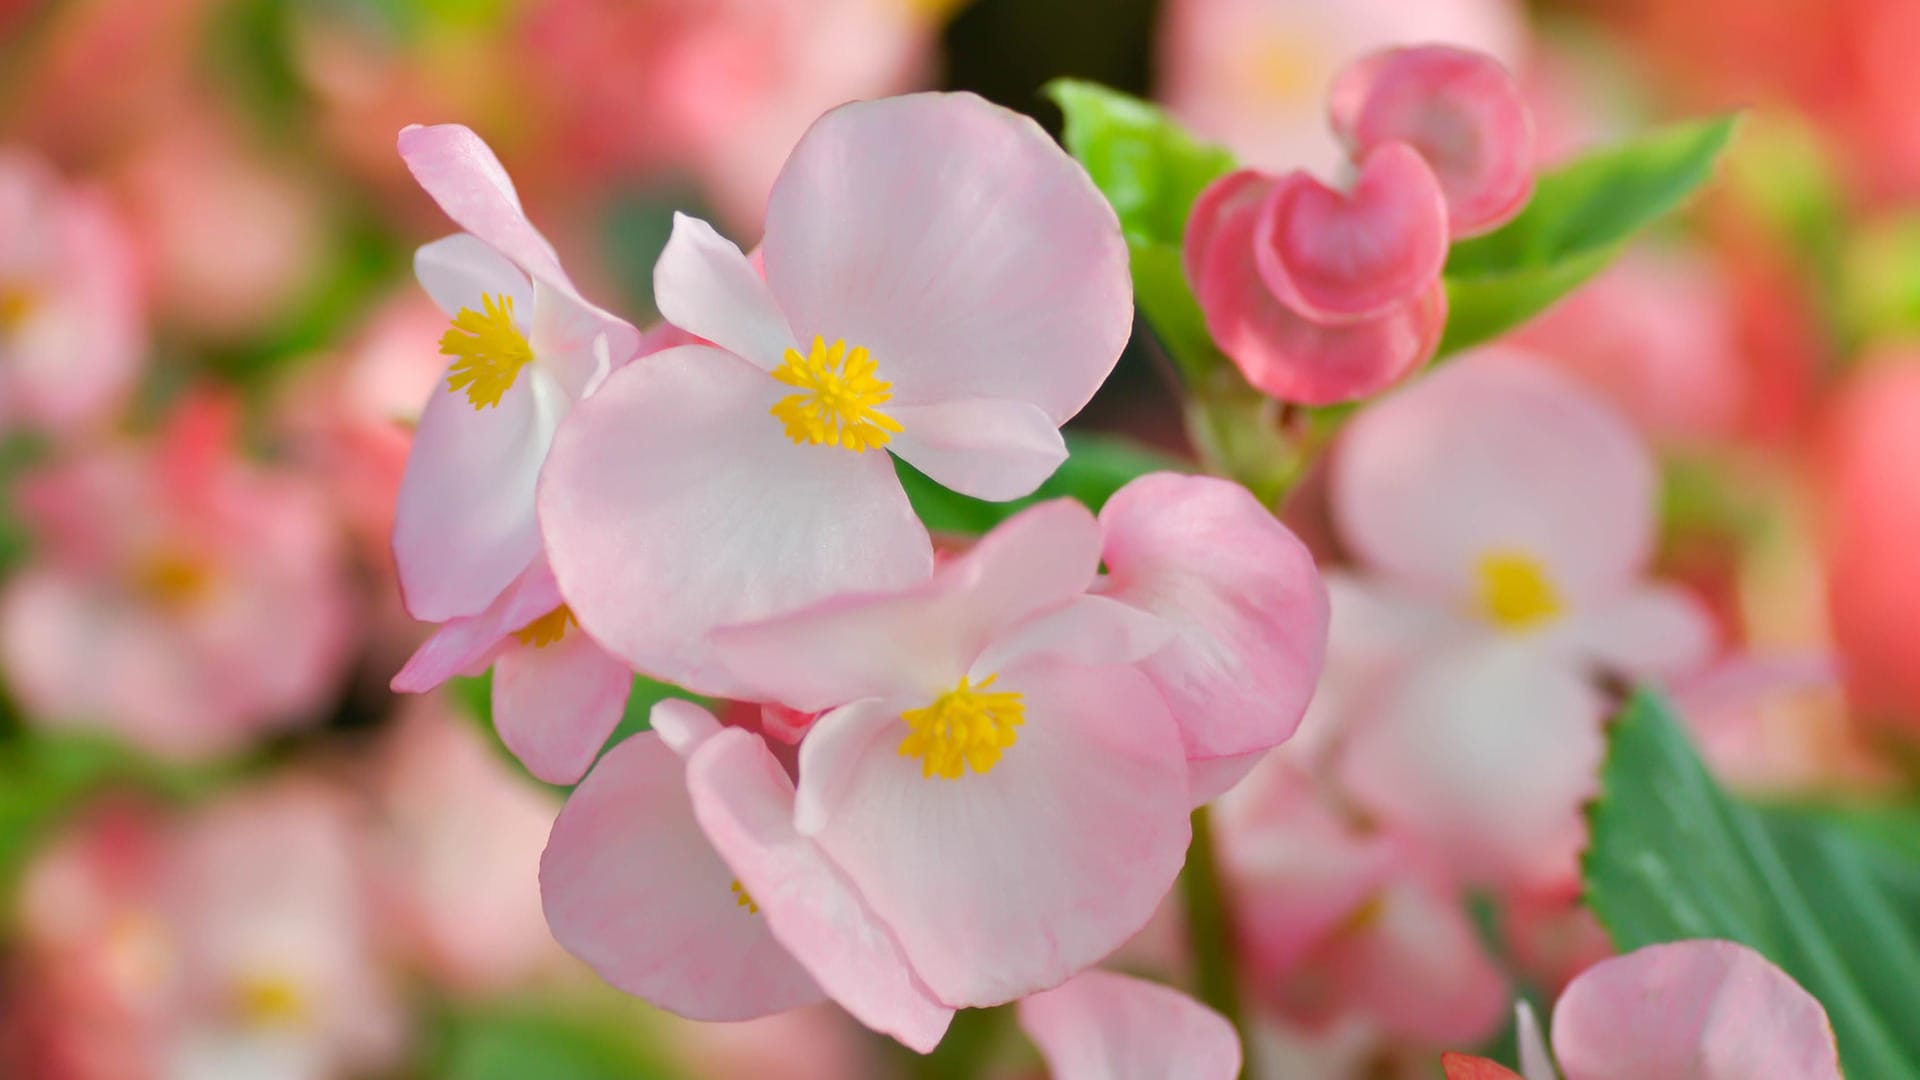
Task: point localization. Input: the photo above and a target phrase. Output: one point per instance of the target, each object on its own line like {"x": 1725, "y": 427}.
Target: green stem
{"x": 1210, "y": 932}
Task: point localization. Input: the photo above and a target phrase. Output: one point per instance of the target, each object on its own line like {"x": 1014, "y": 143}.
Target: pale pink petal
{"x": 1460, "y": 109}
{"x": 466, "y": 645}
{"x": 705, "y": 286}
{"x": 1692, "y": 1010}
{"x": 1210, "y": 778}
{"x": 1535, "y": 1061}
{"x": 1653, "y": 630}
{"x": 1415, "y": 966}
{"x": 1281, "y": 352}
{"x": 1008, "y": 882}
{"x": 1242, "y": 590}
{"x": 1493, "y": 455}
{"x": 1103, "y": 1026}
{"x": 1485, "y": 753}
{"x": 576, "y": 343}
{"x": 682, "y": 725}
{"x": 956, "y": 242}
{"x": 461, "y": 173}
{"x": 554, "y": 705}
{"x": 745, "y": 801}
{"x": 464, "y": 524}
{"x": 988, "y": 449}
{"x": 1086, "y": 630}
{"x": 674, "y": 503}
{"x": 919, "y": 643}
{"x": 632, "y": 887}
{"x": 831, "y": 756}
{"x": 1341, "y": 257}
{"x": 456, "y": 271}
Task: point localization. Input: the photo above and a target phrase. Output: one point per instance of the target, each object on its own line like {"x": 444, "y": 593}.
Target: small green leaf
{"x": 513, "y": 1041}
{"x": 1672, "y": 857}
{"x": 1096, "y": 467}
{"x": 1580, "y": 217}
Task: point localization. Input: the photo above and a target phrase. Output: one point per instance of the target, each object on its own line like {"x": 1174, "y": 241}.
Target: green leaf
{"x": 1151, "y": 169}
{"x": 1096, "y": 467}
{"x": 1581, "y": 216}
{"x": 1672, "y": 857}
{"x": 515, "y": 1041}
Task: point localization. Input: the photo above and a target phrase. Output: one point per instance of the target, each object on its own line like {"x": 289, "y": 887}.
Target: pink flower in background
{"x": 1252, "y": 73}
{"x": 941, "y": 282}
{"x": 211, "y": 589}
{"x": 72, "y": 338}
{"x": 988, "y": 740}
{"x": 1247, "y": 606}
{"x": 1689, "y": 1010}
{"x": 814, "y": 1042}
{"x": 1501, "y": 523}
{"x": 525, "y": 348}
{"x": 1103, "y": 1026}
{"x": 457, "y": 842}
{"x": 753, "y": 918}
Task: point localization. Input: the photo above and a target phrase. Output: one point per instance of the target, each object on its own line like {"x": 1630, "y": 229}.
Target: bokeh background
{"x": 227, "y": 851}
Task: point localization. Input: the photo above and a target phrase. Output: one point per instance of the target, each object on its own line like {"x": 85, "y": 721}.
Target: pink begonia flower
{"x": 1460, "y": 110}
{"x": 752, "y": 918}
{"x": 1253, "y": 73}
{"x": 458, "y": 841}
{"x": 1230, "y": 252}
{"x": 1687, "y": 1010}
{"x": 1247, "y": 605}
{"x": 525, "y": 346}
{"x": 1501, "y": 523}
{"x": 1103, "y": 1026}
{"x": 213, "y": 590}
{"x": 72, "y": 338}
{"x": 942, "y": 282}
{"x": 814, "y": 1042}
{"x": 275, "y": 943}
{"x": 988, "y": 715}
{"x": 556, "y": 693}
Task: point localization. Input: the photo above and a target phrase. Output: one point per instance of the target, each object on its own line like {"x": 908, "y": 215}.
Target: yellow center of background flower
{"x": 489, "y": 351}
{"x": 17, "y": 303}
{"x": 840, "y": 406}
{"x": 1515, "y": 591}
{"x": 966, "y": 727}
{"x": 270, "y": 1001}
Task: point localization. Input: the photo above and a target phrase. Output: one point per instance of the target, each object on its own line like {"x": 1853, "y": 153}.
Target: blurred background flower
{"x": 226, "y": 850}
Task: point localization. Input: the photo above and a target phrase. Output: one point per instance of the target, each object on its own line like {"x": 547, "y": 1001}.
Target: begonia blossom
{"x": 1686, "y": 1010}
{"x": 1103, "y": 1026}
{"x": 1501, "y": 523}
{"x": 941, "y": 282}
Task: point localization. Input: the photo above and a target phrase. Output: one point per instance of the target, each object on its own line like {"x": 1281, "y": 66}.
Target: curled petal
{"x": 705, "y": 286}
{"x": 466, "y": 645}
{"x": 555, "y": 704}
{"x": 1338, "y": 258}
{"x": 1460, "y": 109}
{"x": 1103, "y": 1026}
{"x": 987, "y": 449}
{"x": 459, "y": 170}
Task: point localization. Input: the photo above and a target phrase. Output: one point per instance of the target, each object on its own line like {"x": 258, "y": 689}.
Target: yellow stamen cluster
{"x": 841, "y": 405}
{"x": 269, "y": 1001}
{"x": 17, "y": 302}
{"x": 1515, "y": 591}
{"x": 548, "y": 628}
{"x": 489, "y": 351}
{"x": 966, "y": 727}
{"x": 173, "y": 579}
{"x": 742, "y": 899}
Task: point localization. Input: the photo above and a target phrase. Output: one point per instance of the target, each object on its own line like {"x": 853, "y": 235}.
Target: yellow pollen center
{"x": 1515, "y": 591}
{"x": 173, "y": 579}
{"x": 488, "y": 351}
{"x": 966, "y": 727}
{"x": 16, "y": 305}
{"x": 548, "y": 628}
{"x": 842, "y": 399}
{"x": 741, "y": 898}
{"x": 269, "y": 1001}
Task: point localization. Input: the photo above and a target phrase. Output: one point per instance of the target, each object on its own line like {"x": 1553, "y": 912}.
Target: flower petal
{"x": 956, "y": 242}
{"x": 1103, "y": 1026}
{"x": 1460, "y": 109}
{"x": 1243, "y": 592}
{"x": 705, "y": 286}
{"x": 988, "y": 449}
{"x": 1495, "y": 455}
{"x": 1343, "y": 256}
{"x": 1691, "y": 1010}
{"x": 464, "y": 525}
{"x": 1086, "y": 630}
{"x": 919, "y": 642}
{"x": 1653, "y": 630}
{"x": 1008, "y": 882}
{"x": 673, "y": 503}
{"x": 465, "y": 645}
{"x": 1469, "y": 1067}
{"x": 458, "y": 270}
{"x": 678, "y": 939}
{"x": 745, "y": 801}
{"x": 554, "y": 705}
{"x": 461, "y": 173}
